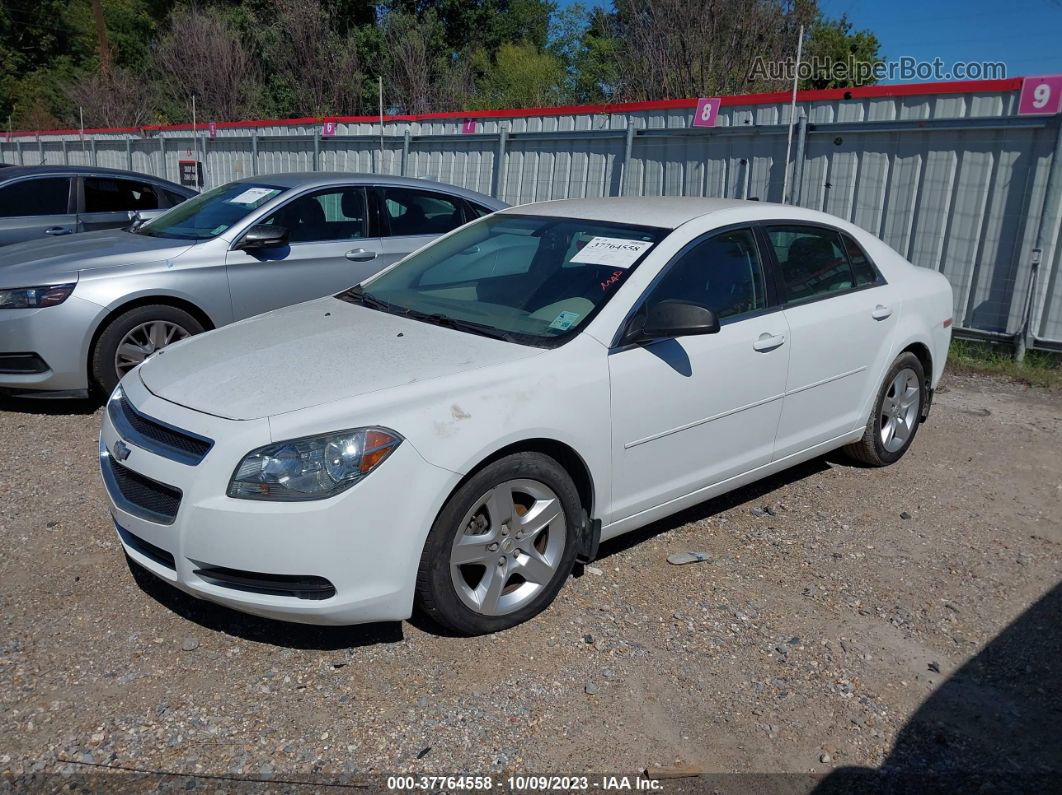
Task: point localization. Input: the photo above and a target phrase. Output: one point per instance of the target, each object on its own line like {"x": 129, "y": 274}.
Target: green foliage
{"x": 287, "y": 58}
{"x": 835, "y": 42}
{"x": 1040, "y": 368}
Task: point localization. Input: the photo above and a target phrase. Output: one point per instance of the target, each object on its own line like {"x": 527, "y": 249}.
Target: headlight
{"x": 35, "y": 297}
{"x": 313, "y": 467}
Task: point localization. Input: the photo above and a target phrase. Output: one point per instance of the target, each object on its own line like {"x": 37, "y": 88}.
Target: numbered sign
{"x": 707, "y": 112}
{"x": 468, "y": 126}
{"x": 328, "y": 128}
{"x": 1040, "y": 96}
{"x": 213, "y": 128}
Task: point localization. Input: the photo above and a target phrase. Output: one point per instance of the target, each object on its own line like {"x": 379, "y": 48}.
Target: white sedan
{"x": 456, "y": 432}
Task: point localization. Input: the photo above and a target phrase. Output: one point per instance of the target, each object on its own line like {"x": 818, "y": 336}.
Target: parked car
{"x": 457, "y": 431}
{"x": 52, "y": 201}
{"x": 81, "y": 312}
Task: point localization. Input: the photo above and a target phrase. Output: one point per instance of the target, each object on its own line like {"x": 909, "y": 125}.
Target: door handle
{"x": 768, "y": 342}
{"x": 881, "y": 312}
{"x": 57, "y": 230}
{"x": 360, "y": 255}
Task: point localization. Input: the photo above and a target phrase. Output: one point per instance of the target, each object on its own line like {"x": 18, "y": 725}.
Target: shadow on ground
{"x": 994, "y": 726}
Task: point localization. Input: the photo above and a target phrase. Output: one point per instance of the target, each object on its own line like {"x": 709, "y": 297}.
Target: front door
{"x": 691, "y": 412}
{"x": 327, "y": 252}
{"x": 109, "y": 203}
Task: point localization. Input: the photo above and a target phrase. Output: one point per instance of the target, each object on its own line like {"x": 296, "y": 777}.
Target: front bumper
{"x": 58, "y": 336}
{"x": 277, "y": 560}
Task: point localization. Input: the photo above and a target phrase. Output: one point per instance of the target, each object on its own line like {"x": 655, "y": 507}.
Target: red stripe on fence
{"x": 817, "y": 95}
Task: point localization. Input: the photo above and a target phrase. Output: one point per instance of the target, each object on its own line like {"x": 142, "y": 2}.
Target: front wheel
{"x": 896, "y": 415}
{"x": 502, "y": 546}
{"x": 133, "y": 336}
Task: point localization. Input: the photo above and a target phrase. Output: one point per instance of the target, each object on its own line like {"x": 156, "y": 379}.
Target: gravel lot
{"x": 868, "y": 618}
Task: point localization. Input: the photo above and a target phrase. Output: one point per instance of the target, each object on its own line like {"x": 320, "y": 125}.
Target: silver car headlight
{"x": 35, "y": 297}
{"x": 313, "y": 467}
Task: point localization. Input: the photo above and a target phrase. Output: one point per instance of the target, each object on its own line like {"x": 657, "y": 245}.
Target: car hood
{"x": 311, "y": 354}
{"x": 56, "y": 259}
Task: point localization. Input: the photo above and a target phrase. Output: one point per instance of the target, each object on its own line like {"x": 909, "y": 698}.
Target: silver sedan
{"x": 79, "y": 312}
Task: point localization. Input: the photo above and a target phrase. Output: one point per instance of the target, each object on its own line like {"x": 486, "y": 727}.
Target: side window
{"x": 42, "y": 196}
{"x": 104, "y": 195}
{"x": 477, "y": 211}
{"x": 812, "y": 262}
{"x": 172, "y": 198}
{"x": 861, "y": 267}
{"x": 420, "y": 212}
{"x": 722, "y": 273}
{"x": 336, "y": 214}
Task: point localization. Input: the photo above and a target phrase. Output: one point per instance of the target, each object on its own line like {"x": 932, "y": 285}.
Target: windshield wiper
{"x": 357, "y": 293}
{"x": 462, "y": 325}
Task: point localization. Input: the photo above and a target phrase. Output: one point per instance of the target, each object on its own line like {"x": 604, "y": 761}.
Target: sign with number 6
{"x": 328, "y": 128}
{"x": 1040, "y": 96}
{"x": 707, "y": 112}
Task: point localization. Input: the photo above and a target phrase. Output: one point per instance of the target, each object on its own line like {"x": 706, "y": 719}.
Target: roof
{"x": 312, "y": 179}
{"x": 26, "y": 171}
{"x": 667, "y": 212}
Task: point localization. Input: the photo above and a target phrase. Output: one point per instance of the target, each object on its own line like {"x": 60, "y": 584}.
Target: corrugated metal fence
{"x": 947, "y": 174}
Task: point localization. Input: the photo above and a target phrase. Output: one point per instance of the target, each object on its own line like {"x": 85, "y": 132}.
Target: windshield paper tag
{"x": 564, "y": 321}
{"x": 616, "y": 252}
{"x": 254, "y": 196}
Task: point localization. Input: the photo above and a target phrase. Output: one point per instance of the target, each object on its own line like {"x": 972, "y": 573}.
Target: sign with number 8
{"x": 1040, "y": 96}
{"x": 707, "y": 112}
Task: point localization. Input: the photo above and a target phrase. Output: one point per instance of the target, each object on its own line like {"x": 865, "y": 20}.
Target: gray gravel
{"x": 835, "y": 601}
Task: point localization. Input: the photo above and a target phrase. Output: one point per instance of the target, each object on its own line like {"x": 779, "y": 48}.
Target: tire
{"x": 879, "y": 447}
{"x": 522, "y": 569}
{"x": 174, "y": 324}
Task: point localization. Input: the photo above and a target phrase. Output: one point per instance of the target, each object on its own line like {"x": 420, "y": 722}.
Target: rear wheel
{"x": 896, "y": 415}
{"x": 501, "y": 547}
{"x": 133, "y": 336}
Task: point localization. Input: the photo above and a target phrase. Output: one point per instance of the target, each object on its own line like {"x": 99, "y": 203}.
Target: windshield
{"x": 530, "y": 279}
{"x": 212, "y": 213}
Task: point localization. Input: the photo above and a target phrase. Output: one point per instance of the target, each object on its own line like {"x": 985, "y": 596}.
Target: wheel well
{"x": 165, "y": 300}
{"x": 559, "y": 452}
{"x": 922, "y": 352}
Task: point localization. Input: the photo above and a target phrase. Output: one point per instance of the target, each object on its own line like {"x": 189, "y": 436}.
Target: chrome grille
{"x": 139, "y": 495}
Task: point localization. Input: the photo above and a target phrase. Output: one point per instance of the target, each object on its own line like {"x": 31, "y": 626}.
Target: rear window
{"x": 40, "y": 196}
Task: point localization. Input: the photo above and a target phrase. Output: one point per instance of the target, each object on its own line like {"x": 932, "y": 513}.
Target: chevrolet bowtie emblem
{"x": 121, "y": 450}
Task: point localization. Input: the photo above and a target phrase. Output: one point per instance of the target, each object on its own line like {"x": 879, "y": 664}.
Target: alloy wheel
{"x": 508, "y": 547}
{"x": 899, "y": 410}
{"x": 143, "y": 340}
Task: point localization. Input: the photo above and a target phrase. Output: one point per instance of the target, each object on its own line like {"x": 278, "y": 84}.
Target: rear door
{"x": 328, "y": 251}
{"x": 411, "y": 217}
{"x": 34, "y": 207}
{"x": 841, "y": 315}
{"x": 109, "y": 203}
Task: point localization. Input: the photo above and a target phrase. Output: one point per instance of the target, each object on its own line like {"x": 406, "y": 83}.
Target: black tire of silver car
{"x": 160, "y": 325}
{"x": 502, "y": 546}
{"x": 896, "y": 415}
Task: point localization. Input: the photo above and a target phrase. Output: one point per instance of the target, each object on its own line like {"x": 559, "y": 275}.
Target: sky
{"x": 1024, "y": 34}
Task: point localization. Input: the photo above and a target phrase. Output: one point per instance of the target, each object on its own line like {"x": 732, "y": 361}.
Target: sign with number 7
{"x": 707, "y": 112}
{"x": 1040, "y": 96}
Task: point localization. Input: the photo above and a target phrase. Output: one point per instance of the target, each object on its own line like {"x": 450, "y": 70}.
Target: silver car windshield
{"x": 529, "y": 279}
{"x": 212, "y": 213}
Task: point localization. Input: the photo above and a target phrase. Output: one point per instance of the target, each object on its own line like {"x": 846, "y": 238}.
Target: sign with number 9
{"x": 1040, "y": 96}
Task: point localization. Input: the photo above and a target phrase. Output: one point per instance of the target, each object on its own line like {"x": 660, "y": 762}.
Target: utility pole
{"x": 101, "y": 35}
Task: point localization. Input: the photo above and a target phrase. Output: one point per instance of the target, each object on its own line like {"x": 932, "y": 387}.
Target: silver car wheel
{"x": 508, "y": 547}
{"x": 143, "y": 340}
{"x": 899, "y": 410}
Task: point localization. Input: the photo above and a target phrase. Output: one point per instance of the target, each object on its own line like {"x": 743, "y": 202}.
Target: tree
{"x": 522, "y": 76}
{"x": 114, "y": 98}
{"x": 833, "y": 42}
{"x": 315, "y": 68}
{"x": 687, "y": 48}
{"x": 420, "y": 73}
{"x": 202, "y": 56}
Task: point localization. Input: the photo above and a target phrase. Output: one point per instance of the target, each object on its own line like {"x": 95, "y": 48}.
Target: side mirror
{"x": 262, "y": 236}
{"x": 671, "y": 318}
